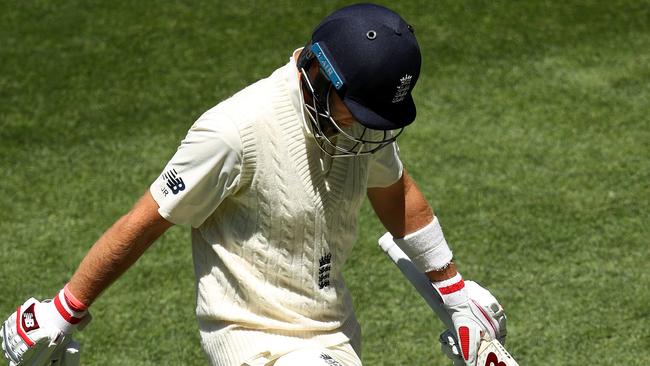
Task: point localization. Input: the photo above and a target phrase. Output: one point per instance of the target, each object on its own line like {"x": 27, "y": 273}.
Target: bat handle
{"x": 491, "y": 352}
{"x": 418, "y": 279}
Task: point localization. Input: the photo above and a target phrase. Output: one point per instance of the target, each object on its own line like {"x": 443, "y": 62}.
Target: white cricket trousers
{"x": 247, "y": 347}
{"x": 341, "y": 355}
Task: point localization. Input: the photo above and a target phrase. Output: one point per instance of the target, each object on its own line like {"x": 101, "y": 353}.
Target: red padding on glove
{"x": 463, "y": 336}
{"x": 20, "y": 331}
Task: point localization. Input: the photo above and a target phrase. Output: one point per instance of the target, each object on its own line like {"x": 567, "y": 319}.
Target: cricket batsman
{"x": 271, "y": 181}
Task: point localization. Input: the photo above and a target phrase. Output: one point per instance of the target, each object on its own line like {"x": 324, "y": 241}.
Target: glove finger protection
{"x": 31, "y": 335}
{"x": 449, "y": 347}
{"x": 22, "y": 349}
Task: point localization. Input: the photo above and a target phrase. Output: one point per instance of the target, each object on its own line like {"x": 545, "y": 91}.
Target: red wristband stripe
{"x": 74, "y": 303}
{"x": 20, "y": 331}
{"x": 64, "y": 312}
{"x": 452, "y": 288}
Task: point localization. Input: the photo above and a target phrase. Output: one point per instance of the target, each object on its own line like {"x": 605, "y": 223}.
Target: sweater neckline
{"x": 324, "y": 180}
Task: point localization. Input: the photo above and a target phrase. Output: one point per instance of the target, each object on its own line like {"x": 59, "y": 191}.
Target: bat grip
{"x": 418, "y": 279}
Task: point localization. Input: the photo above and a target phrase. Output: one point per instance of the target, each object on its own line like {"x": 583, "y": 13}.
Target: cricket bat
{"x": 490, "y": 352}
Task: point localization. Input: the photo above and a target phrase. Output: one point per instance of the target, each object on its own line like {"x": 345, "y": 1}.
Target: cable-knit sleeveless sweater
{"x": 271, "y": 256}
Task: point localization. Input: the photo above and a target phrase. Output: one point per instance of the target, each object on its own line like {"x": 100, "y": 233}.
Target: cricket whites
{"x": 491, "y": 352}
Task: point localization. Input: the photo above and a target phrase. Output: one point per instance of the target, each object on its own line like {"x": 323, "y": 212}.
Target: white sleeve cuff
{"x": 427, "y": 247}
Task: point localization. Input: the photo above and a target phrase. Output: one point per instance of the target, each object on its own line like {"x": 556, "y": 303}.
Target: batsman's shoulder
{"x": 240, "y": 111}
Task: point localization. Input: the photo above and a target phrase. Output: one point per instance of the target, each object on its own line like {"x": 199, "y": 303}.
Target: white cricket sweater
{"x": 272, "y": 228}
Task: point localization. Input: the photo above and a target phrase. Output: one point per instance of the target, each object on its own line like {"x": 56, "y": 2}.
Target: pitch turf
{"x": 532, "y": 143}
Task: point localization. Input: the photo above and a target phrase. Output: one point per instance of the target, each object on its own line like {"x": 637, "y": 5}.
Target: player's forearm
{"x": 116, "y": 251}
{"x": 401, "y": 207}
{"x": 111, "y": 255}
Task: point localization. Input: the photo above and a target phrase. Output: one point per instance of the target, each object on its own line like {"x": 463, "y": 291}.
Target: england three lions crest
{"x": 402, "y": 88}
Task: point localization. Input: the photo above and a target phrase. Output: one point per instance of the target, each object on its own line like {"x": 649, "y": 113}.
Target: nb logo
{"x": 329, "y": 360}
{"x": 29, "y": 320}
{"x": 174, "y": 182}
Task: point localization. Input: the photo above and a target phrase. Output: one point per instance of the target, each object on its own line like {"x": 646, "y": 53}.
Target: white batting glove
{"x": 471, "y": 319}
{"x": 489, "y": 304}
{"x": 38, "y": 331}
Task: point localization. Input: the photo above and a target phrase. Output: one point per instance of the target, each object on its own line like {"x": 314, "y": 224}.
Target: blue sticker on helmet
{"x": 327, "y": 66}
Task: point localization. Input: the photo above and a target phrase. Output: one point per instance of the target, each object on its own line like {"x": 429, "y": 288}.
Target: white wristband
{"x": 427, "y": 247}
{"x": 64, "y": 314}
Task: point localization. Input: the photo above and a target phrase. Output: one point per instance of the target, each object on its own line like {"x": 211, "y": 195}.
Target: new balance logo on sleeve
{"x": 174, "y": 182}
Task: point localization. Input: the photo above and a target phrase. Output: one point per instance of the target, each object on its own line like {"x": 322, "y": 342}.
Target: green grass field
{"x": 532, "y": 143}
